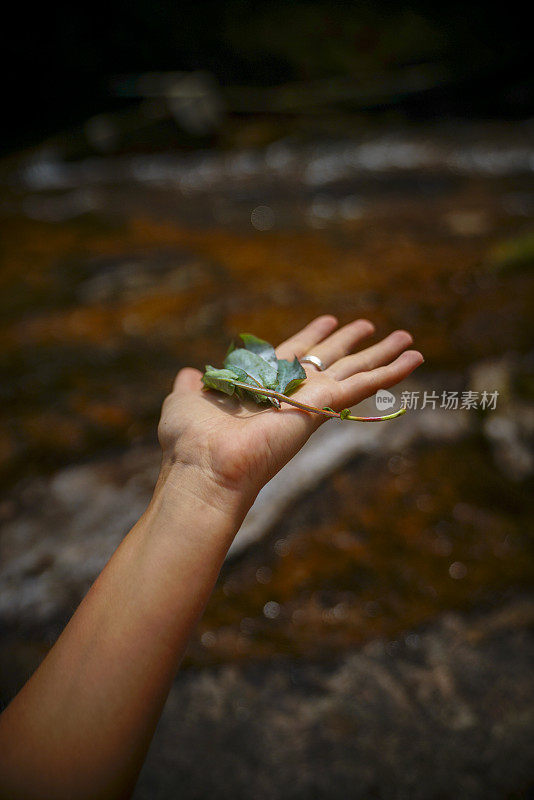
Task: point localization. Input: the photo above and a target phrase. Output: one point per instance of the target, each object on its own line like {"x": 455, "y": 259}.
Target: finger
{"x": 356, "y": 388}
{"x": 299, "y": 344}
{"x": 187, "y": 380}
{"x": 341, "y": 342}
{"x": 375, "y": 356}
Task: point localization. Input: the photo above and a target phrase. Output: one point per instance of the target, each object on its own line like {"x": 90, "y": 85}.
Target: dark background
{"x": 61, "y": 57}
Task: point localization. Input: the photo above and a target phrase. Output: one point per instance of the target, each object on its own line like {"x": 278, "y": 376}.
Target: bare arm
{"x": 82, "y": 724}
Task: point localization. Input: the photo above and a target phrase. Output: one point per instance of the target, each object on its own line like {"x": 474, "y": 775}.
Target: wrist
{"x": 186, "y": 486}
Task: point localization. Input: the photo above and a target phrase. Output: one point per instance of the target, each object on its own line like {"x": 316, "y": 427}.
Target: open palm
{"x": 240, "y": 445}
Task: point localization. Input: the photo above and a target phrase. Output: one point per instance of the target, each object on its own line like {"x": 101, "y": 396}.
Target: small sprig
{"x": 326, "y": 411}
{"x": 255, "y": 372}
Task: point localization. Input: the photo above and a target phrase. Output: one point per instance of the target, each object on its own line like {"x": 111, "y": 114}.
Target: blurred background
{"x": 172, "y": 174}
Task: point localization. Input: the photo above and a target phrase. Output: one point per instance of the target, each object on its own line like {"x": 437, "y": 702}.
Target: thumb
{"x": 187, "y": 380}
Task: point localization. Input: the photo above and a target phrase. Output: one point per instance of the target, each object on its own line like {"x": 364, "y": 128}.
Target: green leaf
{"x": 260, "y": 347}
{"x": 224, "y": 381}
{"x": 230, "y": 349}
{"x": 255, "y": 366}
{"x": 252, "y": 370}
{"x": 220, "y": 379}
{"x": 290, "y": 375}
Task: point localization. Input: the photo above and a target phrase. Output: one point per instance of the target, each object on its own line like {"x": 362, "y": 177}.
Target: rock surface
{"x": 443, "y": 713}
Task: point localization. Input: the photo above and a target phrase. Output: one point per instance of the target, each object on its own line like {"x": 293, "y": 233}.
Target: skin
{"x": 82, "y": 724}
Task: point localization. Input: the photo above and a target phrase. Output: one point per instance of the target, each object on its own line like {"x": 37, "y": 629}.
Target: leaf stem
{"x": 327, "y": 412}
{"x": 383, "y": 418}
{"x": 276, "y": 401}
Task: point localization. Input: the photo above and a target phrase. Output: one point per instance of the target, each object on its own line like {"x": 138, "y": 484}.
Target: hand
{"x": 239, "y": 446}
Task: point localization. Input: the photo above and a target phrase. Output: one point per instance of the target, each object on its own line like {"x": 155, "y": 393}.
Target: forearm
{"x": 82, "y": 724}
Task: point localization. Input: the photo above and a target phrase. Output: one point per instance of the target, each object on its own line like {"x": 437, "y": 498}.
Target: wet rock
{"x": 440, "y": 713}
